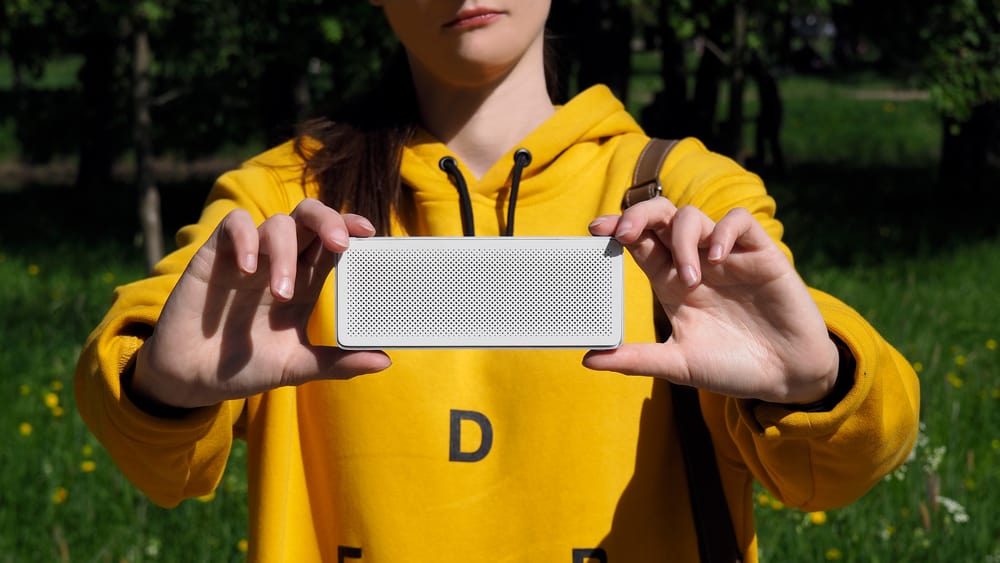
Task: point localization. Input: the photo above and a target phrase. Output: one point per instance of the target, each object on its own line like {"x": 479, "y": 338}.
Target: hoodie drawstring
{"x": 449, "y": 165}
{"x": 522, "y": 158}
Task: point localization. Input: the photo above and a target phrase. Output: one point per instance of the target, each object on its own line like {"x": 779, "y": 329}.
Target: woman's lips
{"x": 478, "y": 17}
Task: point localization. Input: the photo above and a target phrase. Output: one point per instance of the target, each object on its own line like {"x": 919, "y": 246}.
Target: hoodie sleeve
{"x": 809, "y": 460}
{"x": 167, "y": 459}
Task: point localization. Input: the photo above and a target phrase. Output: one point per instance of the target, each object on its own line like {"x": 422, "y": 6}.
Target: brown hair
{"x": 360, "y": 148}
{"x": 357, "y": 162}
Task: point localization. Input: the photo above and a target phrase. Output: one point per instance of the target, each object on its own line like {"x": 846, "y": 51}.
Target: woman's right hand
{"x": 235, "y": 324}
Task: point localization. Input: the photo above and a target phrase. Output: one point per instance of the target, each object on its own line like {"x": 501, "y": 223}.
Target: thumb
{"x": 310, "y": 363}
{"x": 658, "y": 360}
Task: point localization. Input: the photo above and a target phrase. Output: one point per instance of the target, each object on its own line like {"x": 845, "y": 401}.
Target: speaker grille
{"x": 483, "y": 292}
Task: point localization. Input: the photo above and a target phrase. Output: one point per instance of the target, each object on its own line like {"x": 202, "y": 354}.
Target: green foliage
{"x": 963, "y": 64}
{"x": 951, "y": 47}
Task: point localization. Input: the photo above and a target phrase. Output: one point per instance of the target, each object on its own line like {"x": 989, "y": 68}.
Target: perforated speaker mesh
{"x": 480, "y": 292}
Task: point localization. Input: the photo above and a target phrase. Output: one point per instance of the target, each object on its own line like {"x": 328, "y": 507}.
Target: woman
{"x": 473, "y": 455}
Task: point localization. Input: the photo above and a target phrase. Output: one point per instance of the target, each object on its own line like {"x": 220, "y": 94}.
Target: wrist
{"x": 135, "y": 382}
{"x": 842, "y": 383}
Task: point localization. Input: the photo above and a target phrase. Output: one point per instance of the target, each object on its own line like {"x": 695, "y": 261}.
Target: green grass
{"x": 61, "y": 497}
{"x": 941, "y": 313}
{"x": 60, "y": 72}
{"x": 863, "y": 215}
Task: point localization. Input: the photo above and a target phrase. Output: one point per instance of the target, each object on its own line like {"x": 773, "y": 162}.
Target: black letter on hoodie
{"x": 456, "y": 453}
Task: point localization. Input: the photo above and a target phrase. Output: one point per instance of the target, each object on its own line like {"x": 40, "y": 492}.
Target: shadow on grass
{"x": 36, "y": 216}
{"x": 835, "y": 215}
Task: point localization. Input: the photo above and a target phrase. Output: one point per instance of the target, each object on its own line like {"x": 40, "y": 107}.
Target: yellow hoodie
{"x": 485, "y": 455}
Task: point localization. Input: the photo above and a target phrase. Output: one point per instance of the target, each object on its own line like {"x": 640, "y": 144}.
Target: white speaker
{"x": 480, "y": 292}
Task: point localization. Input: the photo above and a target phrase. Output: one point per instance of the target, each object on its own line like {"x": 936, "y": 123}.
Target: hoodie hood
{"x": 578, "y": 132}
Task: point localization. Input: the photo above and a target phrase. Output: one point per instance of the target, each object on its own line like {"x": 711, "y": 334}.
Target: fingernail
{"x": 340, "y": 238}
{"x": 597, "y": 222}
{"x": 285, "y": 288}
{"x": 250, "y": 263}
{"x": 368, "y": 226}
{"x": 715, "y": 252}
{"x": 623, "y": 227}
{"x": 689, "y": 276}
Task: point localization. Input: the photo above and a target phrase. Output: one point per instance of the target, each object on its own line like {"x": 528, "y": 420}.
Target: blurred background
{"x": 876, "y": 126}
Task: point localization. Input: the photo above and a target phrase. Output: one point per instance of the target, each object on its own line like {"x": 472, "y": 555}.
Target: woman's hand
{"x": 744, "y": 324}
{"x": 235, "y": 324}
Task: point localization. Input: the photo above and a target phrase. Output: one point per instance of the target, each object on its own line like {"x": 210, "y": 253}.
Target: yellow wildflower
{"x": 833, "y": 554}
{"x": 991, "y": 344}
{"x": 87, "y": 450}
{"x": 60, "y": 495}
{"x": 243, "y": 545}
{"x": 955, "y": 380}
{"x": 51, "y": 400}
{"x": 25, "y": 429}
{"x": 88, "y": 466}
{"x": 918, "y": 367}
{"x": 818, "y": 518}
{"x": 776, "y": 504}
{"x": 34, "y": 269}
{"x": 57, "y": 411}
{"x": 207, "y": 498}
{"x": 763, "y": 499}
{"x": 56, "y": 385}
{"x": 960, "y": 360}
{"x": 24, "y": 389}
{"x": 108, "y": 277}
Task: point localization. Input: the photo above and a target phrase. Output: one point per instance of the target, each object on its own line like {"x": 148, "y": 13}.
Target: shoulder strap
{"x": 713, "y": 523}
{"x": 646, "y": 177}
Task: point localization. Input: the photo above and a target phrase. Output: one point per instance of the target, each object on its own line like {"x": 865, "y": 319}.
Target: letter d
{"x": 455, "y": 444}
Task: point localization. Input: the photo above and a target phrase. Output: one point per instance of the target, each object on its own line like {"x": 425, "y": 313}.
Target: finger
{"x": 658, "y": 360}
{"x": 279, "y": 241}
{"x": 314, "y": 218}
{"x": 309, "y": 363}
{"x": 237, "y": 233}
{"x": 643, "y": 229}
{"x": 737, "y": 228}
{"x": 652, "y": 214}
{"x": 689, "y": 229}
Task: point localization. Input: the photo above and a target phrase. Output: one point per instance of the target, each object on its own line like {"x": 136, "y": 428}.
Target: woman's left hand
{"x": 744, "y": 324}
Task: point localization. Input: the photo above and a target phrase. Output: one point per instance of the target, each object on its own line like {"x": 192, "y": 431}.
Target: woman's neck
{"x": 482, "y": 123}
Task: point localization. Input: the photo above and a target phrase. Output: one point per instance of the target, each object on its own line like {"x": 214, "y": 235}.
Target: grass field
{"x": 862, "y": 215}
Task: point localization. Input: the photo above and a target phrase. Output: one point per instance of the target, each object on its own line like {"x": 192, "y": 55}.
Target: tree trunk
{"x": 965, "y": 149}
{"x": 667, "y": 116}
{"x": 605, "y": 46}
{"x": 149, "y": 195}
{"x": 732, "y": 139}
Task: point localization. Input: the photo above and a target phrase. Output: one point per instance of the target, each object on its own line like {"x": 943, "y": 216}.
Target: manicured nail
{"x": 689, "y": 276}
{"x": 596, "y": 222}
{"x": 623, "y": 227}
{"x": 250, "y": 263}
{"x": 285, "y": 288}
{"x": 340, "y": 238}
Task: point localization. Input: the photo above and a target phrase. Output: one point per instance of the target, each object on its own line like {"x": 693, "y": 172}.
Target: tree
{"x": 953, "y": 49}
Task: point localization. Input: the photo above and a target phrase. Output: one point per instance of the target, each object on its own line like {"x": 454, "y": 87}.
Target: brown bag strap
{"x": 646, "y": 177}
{"x": 713, "y": 522}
